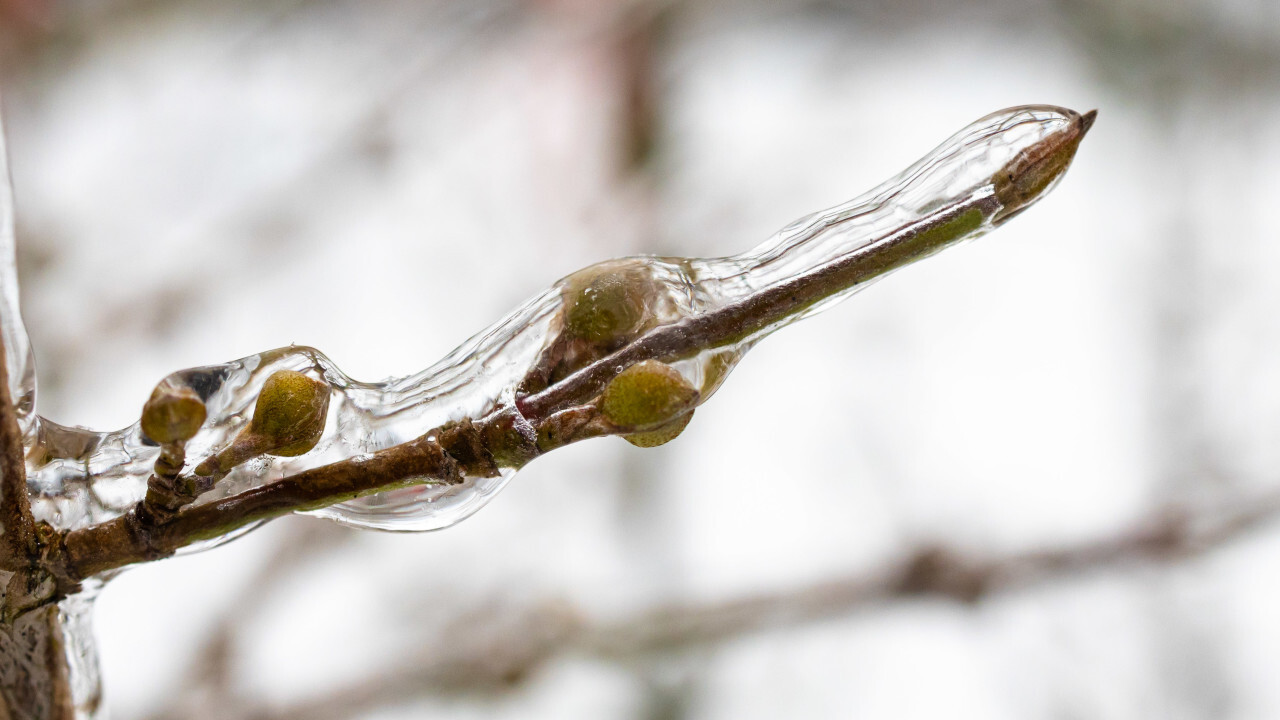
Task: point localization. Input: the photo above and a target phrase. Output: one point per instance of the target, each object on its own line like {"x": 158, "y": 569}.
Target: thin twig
{"x": 448, "y": 454}
{"x": 750, "y": 316}
{"x": 125, "y": 540}
{"x": 564, "y": 412}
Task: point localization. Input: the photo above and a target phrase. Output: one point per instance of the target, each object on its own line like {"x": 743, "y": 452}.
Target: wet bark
{"x": 35, "y": 672}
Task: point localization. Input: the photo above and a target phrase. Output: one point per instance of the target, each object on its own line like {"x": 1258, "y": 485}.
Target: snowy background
{"x": 198, "y": 181}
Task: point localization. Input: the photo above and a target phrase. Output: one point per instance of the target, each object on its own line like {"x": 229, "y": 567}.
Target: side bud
{"x": 652, "y": 398}
{"x": 174, "y": 413}
{"x": 290, "y": 414}
{"x": 608, "y": 302}
{"x": 288, "y": 420}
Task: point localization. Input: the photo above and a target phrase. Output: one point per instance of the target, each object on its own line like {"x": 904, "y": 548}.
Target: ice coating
{"x": 75, "y": 614}
{"x": 699, "y": 315}
{"x": 958, "y": 171}
{"x": 17, "y": 346}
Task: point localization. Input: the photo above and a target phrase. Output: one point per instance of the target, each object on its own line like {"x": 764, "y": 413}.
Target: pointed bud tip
{"x": 1038, "y": 167}
{"x": 1086, "y": 121}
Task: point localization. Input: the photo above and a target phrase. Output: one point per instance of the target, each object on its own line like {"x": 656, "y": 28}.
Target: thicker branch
{"x": 15, "y": 505}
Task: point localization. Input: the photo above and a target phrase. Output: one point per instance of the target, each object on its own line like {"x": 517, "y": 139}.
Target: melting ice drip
{"x": 79, "y": 477}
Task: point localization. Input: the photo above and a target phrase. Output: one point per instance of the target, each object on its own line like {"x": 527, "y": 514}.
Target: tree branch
{"x": 126, "y": 540}
{"x": 619, "y": 321}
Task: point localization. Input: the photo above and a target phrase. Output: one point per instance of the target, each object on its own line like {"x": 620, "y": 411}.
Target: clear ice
{"x": 79, "y": 477}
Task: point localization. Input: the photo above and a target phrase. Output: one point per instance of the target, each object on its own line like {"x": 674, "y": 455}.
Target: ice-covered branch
{"x": 35, "y": 675}
{"x": 15, "y": 506}
{"x": 628, "y": 347}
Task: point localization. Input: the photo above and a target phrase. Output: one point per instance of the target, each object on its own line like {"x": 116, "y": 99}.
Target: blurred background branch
{"x": 494, "y": 650}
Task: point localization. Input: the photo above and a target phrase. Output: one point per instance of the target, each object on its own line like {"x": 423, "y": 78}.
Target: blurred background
{"x": 1029, "y": 478}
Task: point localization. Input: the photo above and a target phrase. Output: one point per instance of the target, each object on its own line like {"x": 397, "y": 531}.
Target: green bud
{"x": 647, "y": 396}
{"x": 174, "y": 413}
{"x": 289, "y": 416}
{"x": 608, "y": 302}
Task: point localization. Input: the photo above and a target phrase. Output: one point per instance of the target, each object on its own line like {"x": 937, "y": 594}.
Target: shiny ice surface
{"x": 79, "y": 477}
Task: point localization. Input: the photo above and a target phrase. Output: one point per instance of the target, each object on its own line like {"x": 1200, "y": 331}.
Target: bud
{"x": 647, "y": 396}
{"x": 1036, "y": 169}
{"x": 289, "y": 416}
{"x": 288, "y": 420}
{"x": 608, "y": 302}
{"x": 174, "y": 413}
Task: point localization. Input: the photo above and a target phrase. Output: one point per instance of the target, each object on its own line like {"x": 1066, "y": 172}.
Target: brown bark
{"x": 15, "y": 506}
{"x": 35, "y": 675}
